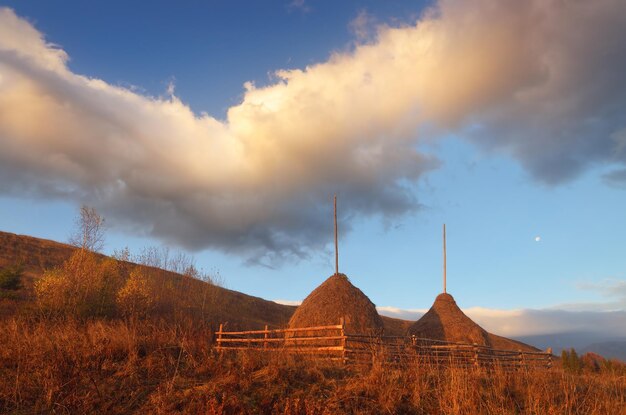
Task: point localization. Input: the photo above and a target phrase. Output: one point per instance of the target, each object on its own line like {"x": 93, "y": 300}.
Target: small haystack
{"x": 446, "y": 321}
{"x": 336, "y": 298}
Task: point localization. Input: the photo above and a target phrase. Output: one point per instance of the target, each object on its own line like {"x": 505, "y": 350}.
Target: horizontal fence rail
{"x": 333, "y": 342}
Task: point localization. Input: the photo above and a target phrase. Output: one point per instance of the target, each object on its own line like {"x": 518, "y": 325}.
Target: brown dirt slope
{"x": 445, "y": 321}
{"x": 336, "y": 298}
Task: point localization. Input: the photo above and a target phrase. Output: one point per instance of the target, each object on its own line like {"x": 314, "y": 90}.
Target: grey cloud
{"x": 564, "y": 119}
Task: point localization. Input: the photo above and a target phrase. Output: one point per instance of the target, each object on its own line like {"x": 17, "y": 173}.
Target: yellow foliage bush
{"x": 136, "y": 297}
{"x": 52, "y": 291}
{"x": 85, "y": 285}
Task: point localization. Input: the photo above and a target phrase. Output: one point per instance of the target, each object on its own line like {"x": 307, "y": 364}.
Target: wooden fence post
{"x": 219, "y": 338}
{"x": 520, "y": 359}
{"x": 265, "y": 337}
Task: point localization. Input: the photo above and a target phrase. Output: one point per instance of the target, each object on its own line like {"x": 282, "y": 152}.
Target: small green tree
{"x": 11, "y": 277}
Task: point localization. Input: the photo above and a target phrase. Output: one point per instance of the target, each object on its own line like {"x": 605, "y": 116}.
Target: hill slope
{"x": 236, "y": 309}
{"x": 239, "y": 310}
{"x": 38, "y": 255}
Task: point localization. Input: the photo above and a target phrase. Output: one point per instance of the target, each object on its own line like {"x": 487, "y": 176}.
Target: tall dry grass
{"x": 72, "y": 366}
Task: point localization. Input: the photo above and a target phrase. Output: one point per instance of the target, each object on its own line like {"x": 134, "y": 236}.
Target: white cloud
{"x": 288, "y": 302}
{"x": 540, "y": 80}
{"x": 395, "y": 312}
{"x": 528, "y": 322}
{"x": 548, "y": 321}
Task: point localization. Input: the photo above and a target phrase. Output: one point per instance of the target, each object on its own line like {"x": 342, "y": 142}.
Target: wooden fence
{"x": 333, "y": 342}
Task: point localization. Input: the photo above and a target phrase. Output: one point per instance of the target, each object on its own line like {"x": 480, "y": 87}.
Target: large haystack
{"x": 336, "y": 298}
{"x": 445, "y": 321}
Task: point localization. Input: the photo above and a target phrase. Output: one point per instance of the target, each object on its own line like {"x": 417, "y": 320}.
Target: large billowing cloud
{"x": 540, "y": 80}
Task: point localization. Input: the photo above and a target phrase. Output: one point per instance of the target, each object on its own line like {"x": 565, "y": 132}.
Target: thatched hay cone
{"x": 334, "y": 299}
{"x": 445, "y": 321}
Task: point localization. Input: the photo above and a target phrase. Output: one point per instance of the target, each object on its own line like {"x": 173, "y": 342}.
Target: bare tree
{"x": 89, "y": 230}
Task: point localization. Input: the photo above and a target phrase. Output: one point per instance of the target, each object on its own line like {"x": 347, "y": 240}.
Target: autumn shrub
{"x": 136, "y": 297}
{"x": 86, "y": 285}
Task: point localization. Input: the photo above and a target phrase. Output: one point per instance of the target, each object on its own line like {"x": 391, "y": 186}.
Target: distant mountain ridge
{"x": 583, "y": 342}
{"x": 613, "y": 349}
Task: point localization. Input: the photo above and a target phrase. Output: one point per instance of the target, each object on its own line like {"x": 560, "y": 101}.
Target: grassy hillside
{"x": 231, "y": 307}
{"x": 35, "y": 254}
{"x": 235, "y": 309}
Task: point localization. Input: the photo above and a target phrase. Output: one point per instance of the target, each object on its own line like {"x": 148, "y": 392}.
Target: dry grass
{"x": 337, "y": 298}
{"x": 122, "y": 367}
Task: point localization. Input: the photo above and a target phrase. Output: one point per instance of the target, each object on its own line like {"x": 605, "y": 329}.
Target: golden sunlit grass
{"x": 66, "y": 366}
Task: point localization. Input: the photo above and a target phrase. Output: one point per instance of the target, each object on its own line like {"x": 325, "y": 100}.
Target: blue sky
{"x": 488, "y": 141}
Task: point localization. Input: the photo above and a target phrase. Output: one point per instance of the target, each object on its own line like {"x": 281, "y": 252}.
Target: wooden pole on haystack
{"x": 444, "y": 258}
{"x": 336, "y": 244}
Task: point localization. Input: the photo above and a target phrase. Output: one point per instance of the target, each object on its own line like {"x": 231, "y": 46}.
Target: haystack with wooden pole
{"x": 446, "y": 321}
{"x": 335, "y": 300}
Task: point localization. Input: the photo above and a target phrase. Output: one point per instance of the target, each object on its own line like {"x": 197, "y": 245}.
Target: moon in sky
{"x": 537, "y": 238}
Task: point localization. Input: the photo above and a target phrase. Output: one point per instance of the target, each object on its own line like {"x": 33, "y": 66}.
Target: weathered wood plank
{"x": 278, "y": 331}
{"x": 282, "y": 340}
